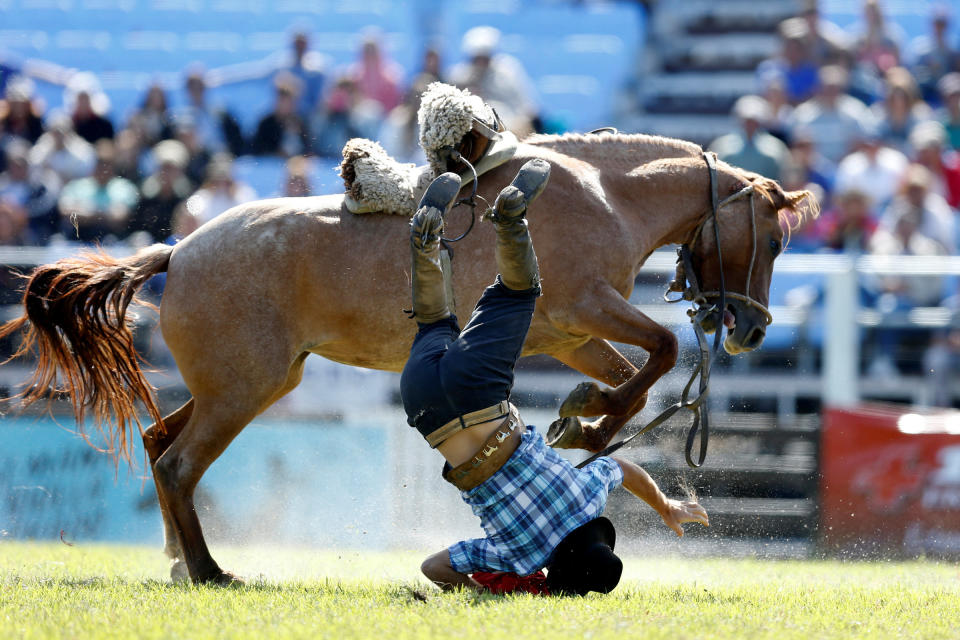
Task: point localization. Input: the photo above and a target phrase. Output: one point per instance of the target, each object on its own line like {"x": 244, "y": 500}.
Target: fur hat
{"x": 446, "y": 115}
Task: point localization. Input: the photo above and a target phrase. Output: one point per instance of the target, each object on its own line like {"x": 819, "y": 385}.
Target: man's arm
{"x": 439, "y": 570}
{"x": 673, "y": 512}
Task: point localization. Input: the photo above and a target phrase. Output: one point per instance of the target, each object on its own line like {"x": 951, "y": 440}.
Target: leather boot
{"x": 427, "y": 279}
{"x": 516, "y": 260}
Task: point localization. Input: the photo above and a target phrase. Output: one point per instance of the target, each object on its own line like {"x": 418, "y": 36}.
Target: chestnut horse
{"x": 255, "y": 291}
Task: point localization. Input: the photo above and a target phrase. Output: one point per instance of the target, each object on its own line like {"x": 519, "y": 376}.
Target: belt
{"x": 460, "y": 423}
{"x": 490, "y": 457}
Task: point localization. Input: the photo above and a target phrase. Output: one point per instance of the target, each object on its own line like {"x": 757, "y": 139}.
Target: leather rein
{"x": 688, "y": 286}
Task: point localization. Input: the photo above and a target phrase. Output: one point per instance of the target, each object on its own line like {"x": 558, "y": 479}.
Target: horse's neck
{"x": 665, "y": 198}
{"x": 659, "y": 181}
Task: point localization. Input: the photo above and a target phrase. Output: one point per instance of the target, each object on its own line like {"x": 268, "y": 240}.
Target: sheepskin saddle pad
{"x": 448, "y": 118}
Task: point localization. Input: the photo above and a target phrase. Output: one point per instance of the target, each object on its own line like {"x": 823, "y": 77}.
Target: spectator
{"x": 498, "y": 78}
{"x": 375, "y": 76}
{"x": 949, "y": 87}
{"x": 928, "y": 140}
{"x": 826, "y": 42}
{"x": 900, "y": 110}
{"x": 153, "y": 118}
{"x": 337, "y": 121}
{"x": 87, "y": 105}
{"x": 61, "y": 150}
{"x": 129, "y": 151}
{"x": 219, "y": 192}
{"x": 921, "y": 208}
{"x": 216, "y": 129}
{"x": 19, "y": 116}
{"x": 309, "y": 67}
{"x": 185, "y": 132}
{"x": 875, "y": 169}
{"x": 282, "y": 132}
{"x": 751, "y": 147}
{"x": 904, "y": 235}
{"x": 98, "y": 208}
{"x": 399, "y": 134}
{"x": 876, "y": 42}
{"x": 793, "y": 67}
{"x": 933, "y": 56}
{"x": 809, "y": 167}
{"x": 847, "y": 226}
{"x": 781, "y": 110}
{"x": 28, "y": 198}
{"x": 834, "y": 119}
{"x": 296, "y": 184}
{"x": 163, "y": 191}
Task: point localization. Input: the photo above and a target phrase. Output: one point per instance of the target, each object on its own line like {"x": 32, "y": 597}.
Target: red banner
{"x": 890, "y": 481}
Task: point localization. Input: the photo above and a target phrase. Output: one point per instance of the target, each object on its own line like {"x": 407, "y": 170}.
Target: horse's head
{"x": 753, "y": 222}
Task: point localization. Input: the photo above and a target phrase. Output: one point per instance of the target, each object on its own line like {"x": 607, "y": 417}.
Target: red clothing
{"x": 501, "y": 582}
{"x": 950, "y": 174}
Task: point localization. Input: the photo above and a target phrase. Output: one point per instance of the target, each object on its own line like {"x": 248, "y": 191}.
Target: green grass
{"x": 85, "y": 591}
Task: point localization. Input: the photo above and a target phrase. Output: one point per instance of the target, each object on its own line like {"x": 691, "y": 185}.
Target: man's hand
{"x": 676, "y": 512}
{"x": 439, "y": 570}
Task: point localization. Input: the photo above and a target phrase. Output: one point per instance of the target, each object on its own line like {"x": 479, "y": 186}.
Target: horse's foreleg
{"x": 155, "y": 442}
{"x": 597, "y": 359}
{"x": 606, "y": 315}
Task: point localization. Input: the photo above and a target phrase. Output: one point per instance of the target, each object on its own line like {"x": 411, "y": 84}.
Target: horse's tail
{"x": 75, "y": 323}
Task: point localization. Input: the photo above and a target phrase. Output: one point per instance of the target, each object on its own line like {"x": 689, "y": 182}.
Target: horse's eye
{"x": 774, "y": 247}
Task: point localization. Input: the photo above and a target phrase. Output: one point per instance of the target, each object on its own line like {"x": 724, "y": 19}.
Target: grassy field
{"x": 85, "y": 591}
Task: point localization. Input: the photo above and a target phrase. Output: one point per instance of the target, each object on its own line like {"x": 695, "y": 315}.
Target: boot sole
{"x": 532, "y": 179}
{"x": 442, "y": 192}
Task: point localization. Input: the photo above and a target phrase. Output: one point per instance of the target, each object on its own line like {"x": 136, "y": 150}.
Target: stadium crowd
{"x": 871, "y": 124}
{"x": 868, "y": 120}
{"x": 81, "y": 174}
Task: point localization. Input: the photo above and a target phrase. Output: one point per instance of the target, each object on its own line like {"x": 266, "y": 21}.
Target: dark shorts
{"x": 452, "y": 372}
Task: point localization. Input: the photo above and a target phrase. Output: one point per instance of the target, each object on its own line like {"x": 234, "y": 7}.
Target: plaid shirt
{"x": 530, "y": 505}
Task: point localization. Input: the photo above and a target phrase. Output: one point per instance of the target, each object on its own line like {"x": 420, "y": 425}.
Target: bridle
{"x": 687, "y": 284}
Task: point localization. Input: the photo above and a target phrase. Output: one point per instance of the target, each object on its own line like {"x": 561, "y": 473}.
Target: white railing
{"x": 841, "y": 274}
{"x": 839, "y": 379}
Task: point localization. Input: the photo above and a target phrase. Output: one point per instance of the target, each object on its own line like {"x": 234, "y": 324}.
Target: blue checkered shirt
{"x": 530, "y": 505}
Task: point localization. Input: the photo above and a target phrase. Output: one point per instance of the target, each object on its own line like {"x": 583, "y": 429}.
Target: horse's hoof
{"x": 582, "y": 401}
{"x": 226, "y": 579}
{"x": 178, "y": 570}
{"x": 566, "y": 433}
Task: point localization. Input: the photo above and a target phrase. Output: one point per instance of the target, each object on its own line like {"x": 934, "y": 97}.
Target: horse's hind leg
{"x": 214, "y": 423}
{"x": 155, "y": 442}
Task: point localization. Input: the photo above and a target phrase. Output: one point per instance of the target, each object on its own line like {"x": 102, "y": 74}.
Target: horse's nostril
{"x": 755, "y": 337}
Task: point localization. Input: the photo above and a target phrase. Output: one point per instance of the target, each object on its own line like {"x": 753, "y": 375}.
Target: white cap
{"x": 752, "y": 108}
{"x": 480, "y": 41}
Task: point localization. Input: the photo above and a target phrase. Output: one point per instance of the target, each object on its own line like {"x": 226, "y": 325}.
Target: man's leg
{"x": 477, "y": 369}
{"x": 427, "y": 277}
{"x": 438, "y": 328}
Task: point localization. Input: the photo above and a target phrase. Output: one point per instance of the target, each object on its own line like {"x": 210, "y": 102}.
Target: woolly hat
{"x": 445, "y": 116}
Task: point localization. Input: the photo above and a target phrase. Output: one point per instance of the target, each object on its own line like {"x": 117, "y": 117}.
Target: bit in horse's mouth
{"x": 729, "y": 320}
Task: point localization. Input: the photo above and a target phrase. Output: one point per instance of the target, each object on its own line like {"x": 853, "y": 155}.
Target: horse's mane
{"x": 634, "y": 148}
{"x": 794, "y": 208}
